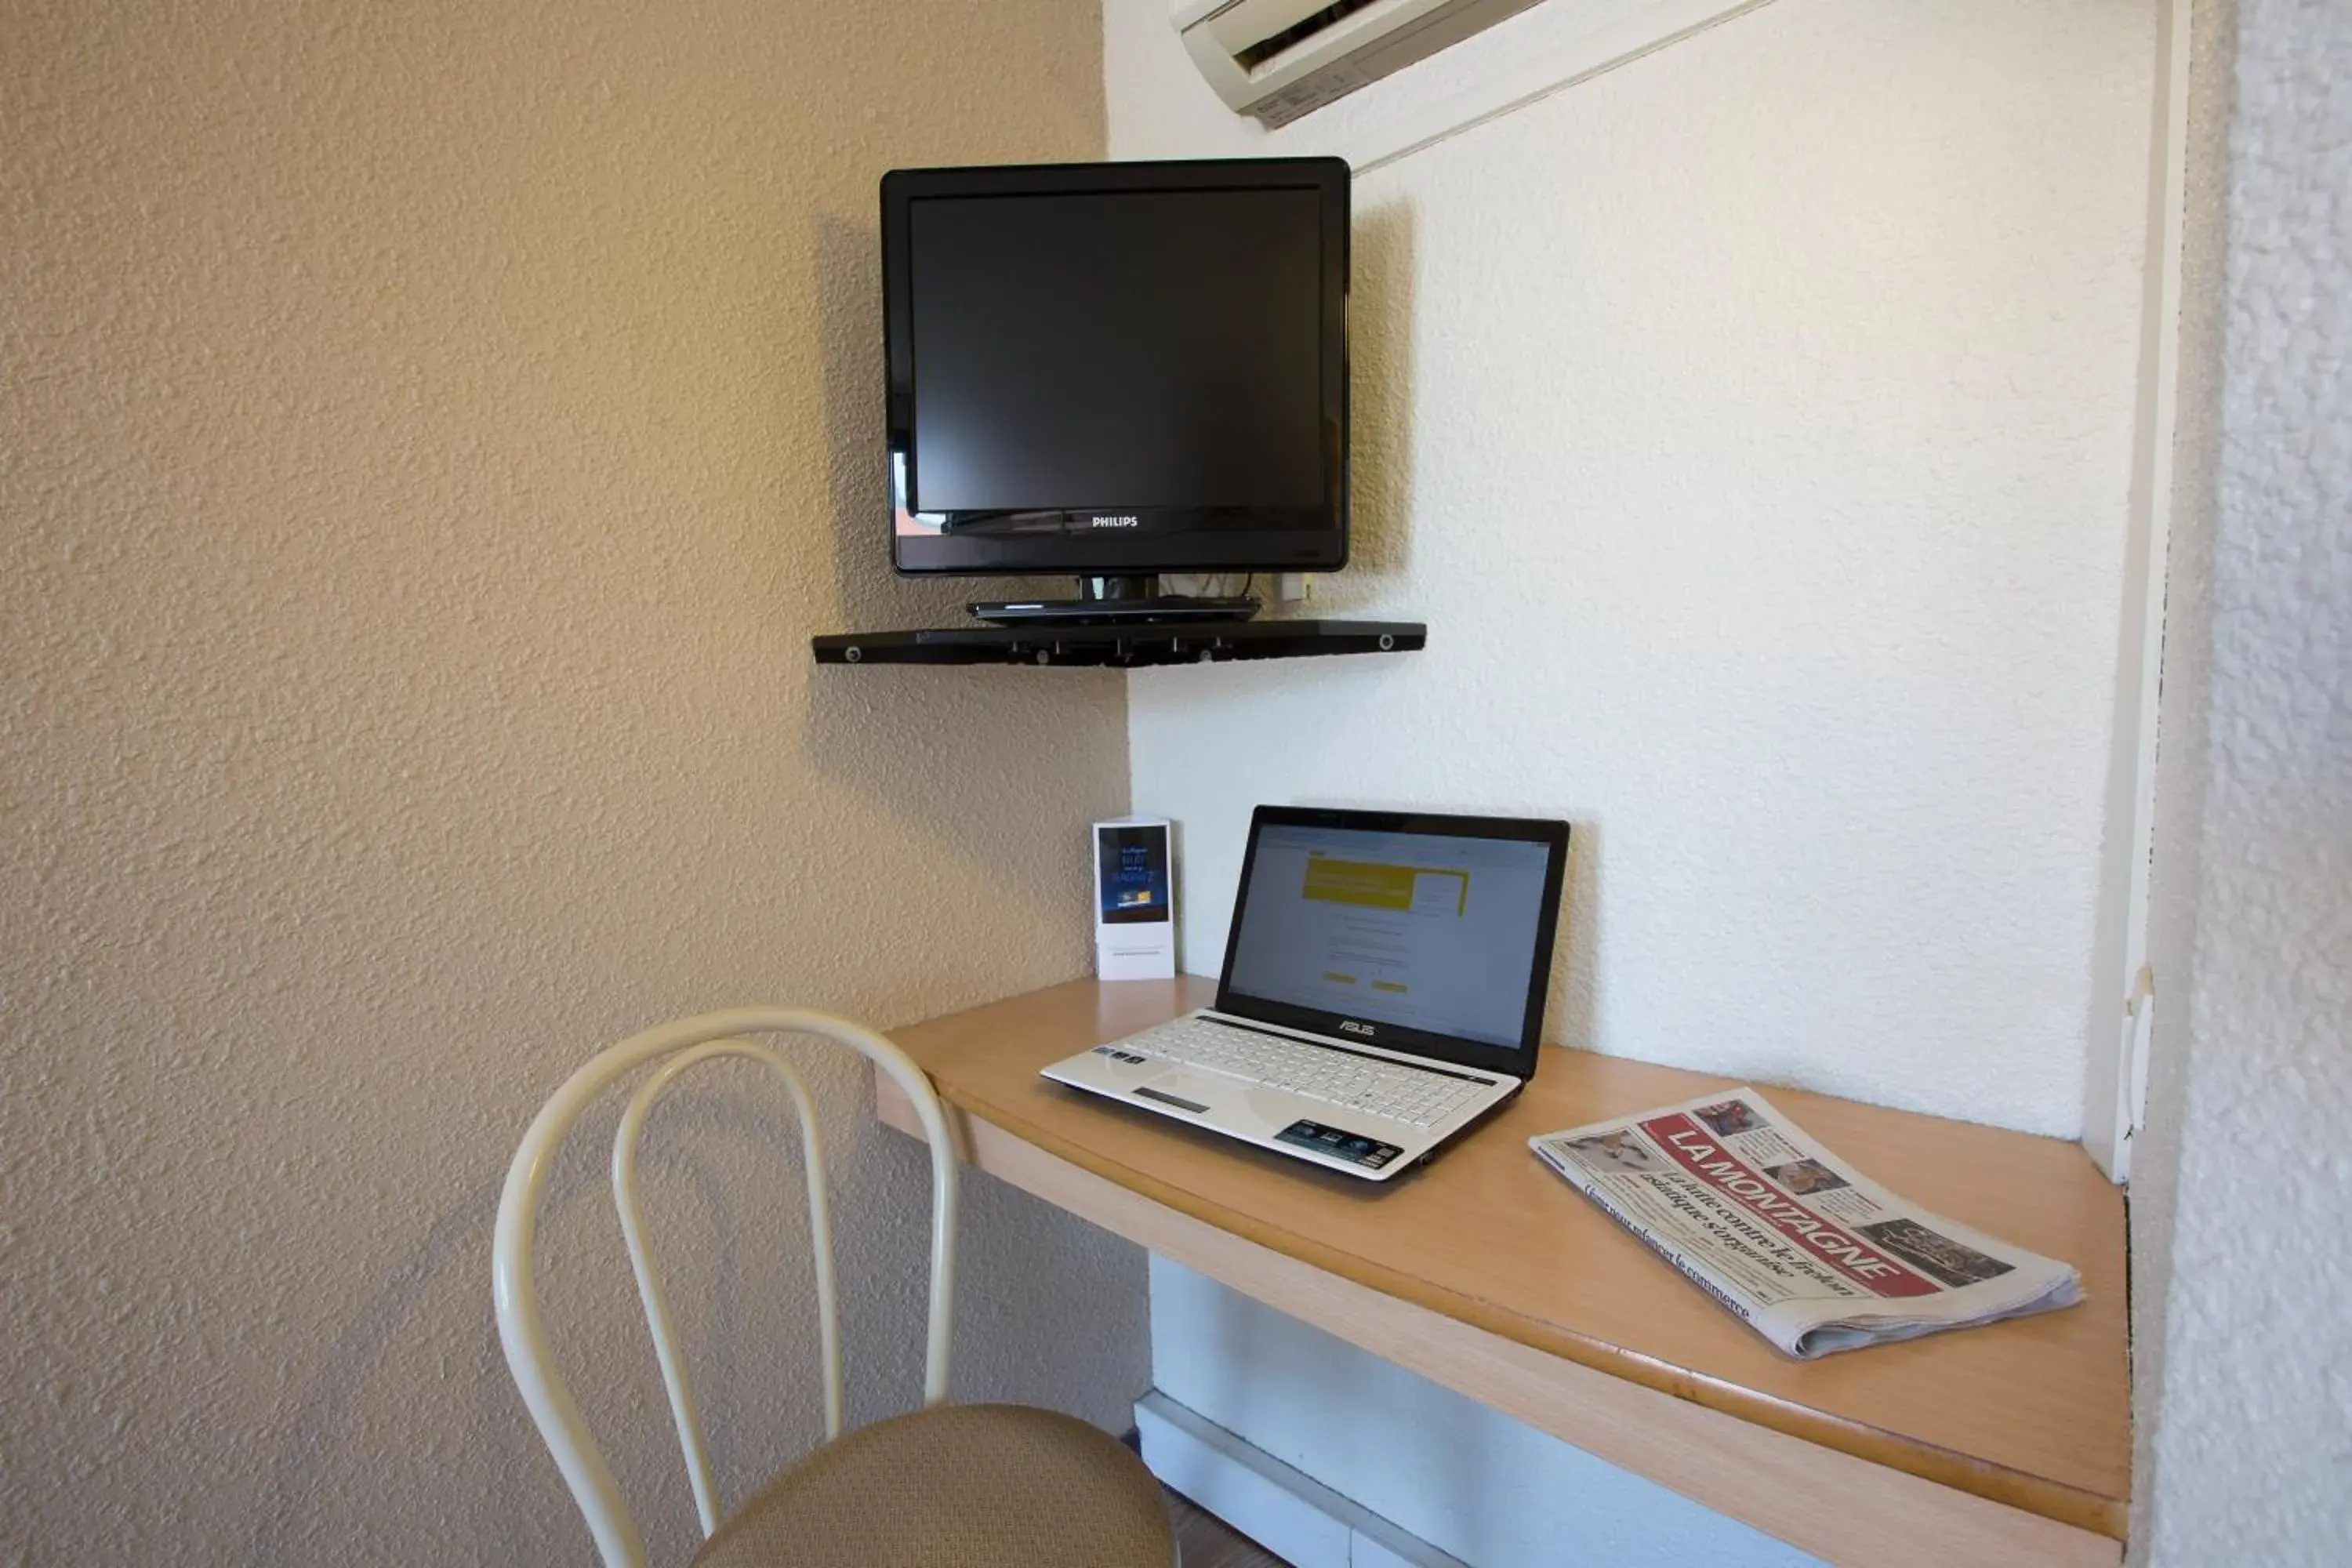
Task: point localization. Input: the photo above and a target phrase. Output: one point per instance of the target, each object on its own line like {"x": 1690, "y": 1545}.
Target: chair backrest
{"x": 678, "y": 1046}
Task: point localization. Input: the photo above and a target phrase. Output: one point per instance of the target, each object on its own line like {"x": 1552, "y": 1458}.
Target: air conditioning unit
{"x": 1277, "y": 59}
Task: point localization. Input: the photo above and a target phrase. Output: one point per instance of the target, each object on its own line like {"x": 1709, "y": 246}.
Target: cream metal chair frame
{"x": 678, "y": 1046}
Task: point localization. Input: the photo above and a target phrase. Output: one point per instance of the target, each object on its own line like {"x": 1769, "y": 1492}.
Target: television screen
{"x": 1117, "y": 367}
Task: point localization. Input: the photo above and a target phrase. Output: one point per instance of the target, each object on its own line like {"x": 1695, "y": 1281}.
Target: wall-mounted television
{"x": 1117, "y": 370}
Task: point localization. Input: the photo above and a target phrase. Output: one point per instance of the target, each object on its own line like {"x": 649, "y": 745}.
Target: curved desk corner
{"x": 1486, "y": 1274}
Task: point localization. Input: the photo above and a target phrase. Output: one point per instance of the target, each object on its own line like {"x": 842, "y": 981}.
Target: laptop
{"x": 1383, "y": 990}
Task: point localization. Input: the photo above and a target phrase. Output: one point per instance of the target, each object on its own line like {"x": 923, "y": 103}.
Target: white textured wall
{"x": 1752, "y": 427}
{"x": 428, "y": 435}
{"x": 2241, "y": 1248}
{"x": 1487, "y": 1490}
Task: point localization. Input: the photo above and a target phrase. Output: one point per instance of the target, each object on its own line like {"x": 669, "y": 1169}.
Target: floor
{"x": 1204, "y": 1541}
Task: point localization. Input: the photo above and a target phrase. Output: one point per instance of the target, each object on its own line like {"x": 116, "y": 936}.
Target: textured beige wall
{"x": 428, "y": 435}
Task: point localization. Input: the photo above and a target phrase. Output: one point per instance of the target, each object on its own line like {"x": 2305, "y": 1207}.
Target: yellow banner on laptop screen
{"x": 1372, "y": 885}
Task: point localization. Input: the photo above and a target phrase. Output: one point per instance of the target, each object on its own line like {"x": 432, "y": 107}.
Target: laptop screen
{"x": 1433, "y": 932}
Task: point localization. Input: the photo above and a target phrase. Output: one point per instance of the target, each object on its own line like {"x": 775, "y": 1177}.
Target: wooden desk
{"x": 1487, "y": 1274}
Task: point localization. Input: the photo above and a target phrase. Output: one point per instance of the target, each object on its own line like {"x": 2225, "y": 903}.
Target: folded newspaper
{"x": 1810, "y": 1253}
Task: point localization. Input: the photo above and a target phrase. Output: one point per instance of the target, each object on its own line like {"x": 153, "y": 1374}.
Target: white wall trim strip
{"x": 1283, "y": 1509}
{"x": 2123, "y": 989}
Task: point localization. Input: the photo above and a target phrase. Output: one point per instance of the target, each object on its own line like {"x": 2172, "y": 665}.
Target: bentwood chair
{"x": 975, "y": 1486}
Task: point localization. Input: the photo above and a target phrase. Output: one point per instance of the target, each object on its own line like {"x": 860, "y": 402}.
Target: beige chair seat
{"x": 954, "y": 1485}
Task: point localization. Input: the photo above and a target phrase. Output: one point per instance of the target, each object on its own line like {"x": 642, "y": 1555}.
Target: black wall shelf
{"x": 1122, "y": 647}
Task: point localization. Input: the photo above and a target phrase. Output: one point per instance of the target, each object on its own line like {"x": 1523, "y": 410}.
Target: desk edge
{"x": 2055, "y": 1501}
{"x": 1845, "y": 1509}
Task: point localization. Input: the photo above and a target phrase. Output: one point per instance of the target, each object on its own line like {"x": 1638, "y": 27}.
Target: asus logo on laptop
{"x": 1353, "y": 1027}
{"x": 1126, "y": 519}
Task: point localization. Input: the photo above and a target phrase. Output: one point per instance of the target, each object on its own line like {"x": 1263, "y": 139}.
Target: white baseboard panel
{"x": 1291, "y": 1515}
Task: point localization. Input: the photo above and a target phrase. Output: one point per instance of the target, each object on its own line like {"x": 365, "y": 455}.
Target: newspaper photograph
{"x": 1802, "y": 1247}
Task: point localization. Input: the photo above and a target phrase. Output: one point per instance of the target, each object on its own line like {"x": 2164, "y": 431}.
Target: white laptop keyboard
{"x": 1369, "y": 1084}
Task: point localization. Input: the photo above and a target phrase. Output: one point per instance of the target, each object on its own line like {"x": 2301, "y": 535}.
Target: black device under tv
{"x": 1117, "y": 371}
{"x": 1111, "y": 609}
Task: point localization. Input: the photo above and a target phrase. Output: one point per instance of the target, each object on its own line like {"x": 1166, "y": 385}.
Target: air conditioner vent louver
{"x": 1266, "y": 48}
{"x": 1277, "y": 59}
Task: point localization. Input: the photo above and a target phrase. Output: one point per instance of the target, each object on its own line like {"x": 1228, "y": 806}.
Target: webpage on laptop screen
{"x": 1432, "y": 932}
